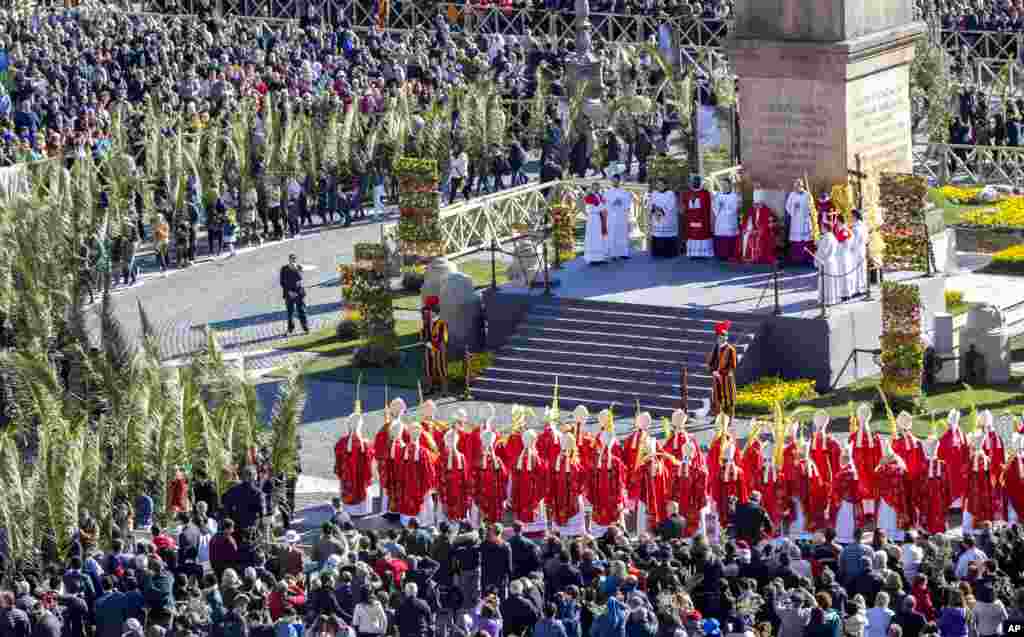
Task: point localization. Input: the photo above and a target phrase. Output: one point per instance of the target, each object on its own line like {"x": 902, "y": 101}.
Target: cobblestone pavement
{"x": 239, "y": 297}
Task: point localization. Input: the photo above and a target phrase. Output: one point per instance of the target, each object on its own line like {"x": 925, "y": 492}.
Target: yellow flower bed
{"x": 1008, "y": 212}
{"x": 1008, "y": 261}
{"x": 762, "y": 394}
{"x": 960, "y": 195}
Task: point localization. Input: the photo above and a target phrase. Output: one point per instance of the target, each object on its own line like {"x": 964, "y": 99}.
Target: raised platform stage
{"x": 623, "y": 332}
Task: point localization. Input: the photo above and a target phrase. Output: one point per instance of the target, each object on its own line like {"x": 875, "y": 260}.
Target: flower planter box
{"x": 986, "y": 239}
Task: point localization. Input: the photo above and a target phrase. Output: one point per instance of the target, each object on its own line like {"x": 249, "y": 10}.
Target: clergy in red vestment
{"x": 177, "y": 493}
{"x": 382, "y": 444}
{"x": 1012, "y": 484}
{"x": 981, "y": 501}
{"x": 696, "y": 216}
{"x": 392, "y": 480}
{"x": 731, "y": 487}
{"x": 690, "y": 488}
{"x": 649, "y": 486}
{"x": 750, "y": 460}
{"x": 529, "y": 486}
{"x": 867, "y": 454}
{"x": 992, "y": 443}
{"x": 417, "y": 479}
{"x": 587, "y": 444}
{"x": 490, "y": 481}
{"x": 565, "y": 490}
{"x": 825, "y": 450}
{"x": 454, "y": 486}
{"x": 895, "y": 507}
{"x": 430, "y": 426}
{"x": 847, "y": 506}
{"x": 353, "y": 464}
{"x": 808, "y": 494}
{"x": 549, "y": 443}
{"x": 758, "y": 232}
{"x": 636, "y": 442}
{"x": 767, "y": 479}
{"x": 511, "y": 447}
{"x": 935, "y": 496}
{"x": 954, "y": 450}
{"x": 680, "y": 439}
{"x": 907, "y": 446}
{"x": 606, "y": 486}
{"x": 724, "y": 442}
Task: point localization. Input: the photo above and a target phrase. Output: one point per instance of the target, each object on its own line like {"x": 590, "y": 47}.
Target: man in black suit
{"x": 751, "y": 520}
{"x": 294, "y": 294}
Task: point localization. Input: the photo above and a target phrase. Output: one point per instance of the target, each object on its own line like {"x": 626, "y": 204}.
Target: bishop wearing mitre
{"x": 726, "y": 214}
{"x": 353, "y": 464}
{"x": 606, "y": 485}
{"x": 757, "y": 238}
{"x": 690, "y": 488}
{"x": 1012, "y": 483}
{"x": 935, "y": 496}
{"x": 679, "y": 439}
{"x": 766, "y": 478}
{"x": 825, "y": 450}
{"x": 454, "y": 484}
{"x": 636, "y": 442}
{"x": 992, "y": 443}
{"x": 566, "y": 486}
{"x": 587, "y": 444}
{"x": 867, "y": 454}
{"x": 848, "y": 494}
{"x": 731, "y": 487}
{"x": 954, "y": 450}
{"x": 808, "y": 494}
{"x": 801, "y": 232}
{"x": 981, "y": 501}
{"x": 417, "y": 478}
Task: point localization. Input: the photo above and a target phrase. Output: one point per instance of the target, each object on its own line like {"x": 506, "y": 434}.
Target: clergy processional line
{"x": 572, "y": 478}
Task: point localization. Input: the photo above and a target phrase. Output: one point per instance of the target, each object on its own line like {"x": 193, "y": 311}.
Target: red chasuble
{"x": 587, "y": 445}
{"x": 954, "y": 452}
{"x": 993, "y": 446}
{"x": 867, "y": 455}
{"x": 697, "y": 210}
{"x": 825, "y": 452}
{"x": 565, "y": 486}
{"x": 454, "y": 488}
{"x": 758, "y": 246}
{"x": 529, "y": 486}
{"x": 606, "y": 489}
{"x": 846, "y": 487}
{"x": 677, "y": 442}
{"x": 934, "y": 498}
{"x": 549, "y": 445}
{"x": 489, "y": 488}
{"x": 807, "y": 485}
{"x": 981, "y": 500}
{"x": 650, "y": 484}
{"x": 731, "y": 483}
{"x": 511, "y": 449}
{"x": 416, "y": 478}
{"x": 690, "y": 491}
{"x": 892, "y": 481}
{"x": 382, "y": 454}
{"x": 772, "y": 486}
{"x": 354, "y": 468}
{"x": 1013, "y": 487}
{"x": 631, "y": 448}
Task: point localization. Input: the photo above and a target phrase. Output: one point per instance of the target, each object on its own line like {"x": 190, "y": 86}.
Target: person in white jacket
{"x": 369, "y": 618}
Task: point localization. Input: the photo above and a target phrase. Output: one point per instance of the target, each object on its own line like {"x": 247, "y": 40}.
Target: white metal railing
{"x": 945, "y": 163}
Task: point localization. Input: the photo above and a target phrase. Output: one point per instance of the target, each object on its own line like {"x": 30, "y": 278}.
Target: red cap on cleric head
{"x": 431, "y": 301}
{"x": 722, "y": 327}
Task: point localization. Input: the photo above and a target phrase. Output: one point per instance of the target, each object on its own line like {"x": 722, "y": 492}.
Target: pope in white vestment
{"x": 726, "y": 214}
{"x": 619, "y": 204}
{"x": 664, "y": 223}
{"x": 798, "y": 214}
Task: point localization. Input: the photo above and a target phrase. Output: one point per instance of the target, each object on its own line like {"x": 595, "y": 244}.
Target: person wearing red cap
{"x": 722, "y": 365}
{"x": 435, "y": 341}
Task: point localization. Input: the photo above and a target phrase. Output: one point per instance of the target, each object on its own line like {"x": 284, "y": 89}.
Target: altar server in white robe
{"x": 861, "y": 235}
{"x": 619, "y": 204}
{"x": 595, "y": 241}
{"x": 845, "y": 249}
{"x": 830, "y": 285}
{"x": 725, "y": 210}
{"x": 664, "y": 221}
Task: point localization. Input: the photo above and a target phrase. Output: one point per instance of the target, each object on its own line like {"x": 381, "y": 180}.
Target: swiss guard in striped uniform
{"x": 435, "y": 338}
{"x": 722, "y": 365}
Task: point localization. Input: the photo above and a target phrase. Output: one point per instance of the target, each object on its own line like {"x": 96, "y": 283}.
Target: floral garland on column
{"x": 563, "y": 229}
{"x": 902, "y": 350}
{"x": 902, "y": 198}
{"x": 365, "y": 287}
{"x": 419, "y": 202}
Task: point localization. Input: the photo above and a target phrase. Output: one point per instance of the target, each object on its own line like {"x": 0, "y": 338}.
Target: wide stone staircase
{"x": 605, "y": 353}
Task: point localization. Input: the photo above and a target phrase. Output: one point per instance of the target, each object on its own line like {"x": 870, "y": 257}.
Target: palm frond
{"x": 287, "y": 413}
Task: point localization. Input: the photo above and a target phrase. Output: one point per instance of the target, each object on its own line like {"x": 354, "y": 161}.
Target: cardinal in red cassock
{"x": 895, "y": 508}
{"x": 490, "y": 481}
{"x": 752, "y": 457}
{"x": 565, "y": 490}
{"x": 690, "y": 490}
{"x": 867, "y": 452}
{"x": 382, "y": 455}
{"x": 417, "y": 478}
{"x": 992, "y": 443}
{"x": 696, "y": 223}
{"x": 587, "y": 444}
{"x": 649, "y": 487}
{"x": 353, "y": 464}
{"x": 1012, "y": 484}
{"x": 935, "y": 496}
{"x": 757, "y": 232}
{"x": 680, "y": 439}
{"x": 909, "y": 447}
{"x": 512, "y": 447}
{"x": 431, "y": 427}
{"x": 981, "y": 500}
{"x": 808, "y": 494}
{"x": 454, "y": 486}
{"x": 848, "y": 494}
{"x": 636, "y": 442}
{"x": 954, "y": 450}
{"x": 606, "y": 487}
{"x": 825, "y": 450}
{"x": 529, "y": 484}
{"x": 723, "y": 446}
{"x": 177, "y": 493}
